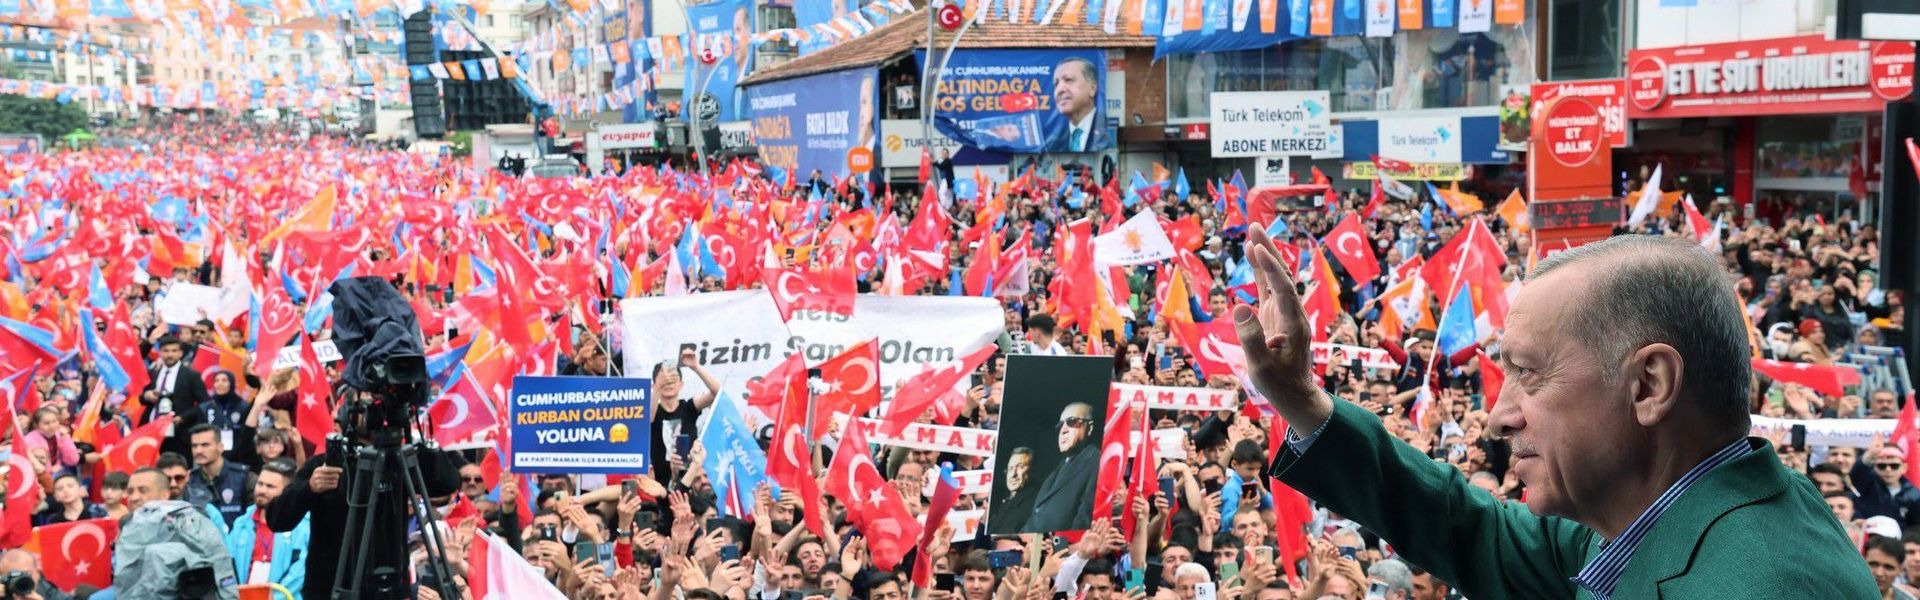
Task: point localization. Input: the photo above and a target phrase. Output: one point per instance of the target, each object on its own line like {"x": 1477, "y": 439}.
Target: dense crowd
{"x": 240, "y": 438}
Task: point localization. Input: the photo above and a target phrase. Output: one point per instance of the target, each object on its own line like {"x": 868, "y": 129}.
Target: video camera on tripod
{"x": 386, "y": 376}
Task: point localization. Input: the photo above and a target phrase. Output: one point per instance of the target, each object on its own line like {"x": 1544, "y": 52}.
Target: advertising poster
{"x": 721, "y": 30}
{"x": 1269, "y": 123}
{"x": 580, "y": 424}
{"x": 635, "y": 26}
{"x": 1048, "y": 465}
{"x": 810, "y": 123}
{"x": 1025, "y": 101}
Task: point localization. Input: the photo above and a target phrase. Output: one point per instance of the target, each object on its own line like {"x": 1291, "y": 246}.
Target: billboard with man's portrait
{"x": 1025, "y": 101}
{"x": 721, "y": 55}
{"x": 1047, "y": 462}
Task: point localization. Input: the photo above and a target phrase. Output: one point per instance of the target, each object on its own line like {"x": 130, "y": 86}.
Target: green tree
{"x": 20, "y": 114}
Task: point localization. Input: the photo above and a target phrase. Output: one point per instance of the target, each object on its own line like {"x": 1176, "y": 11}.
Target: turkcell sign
{"x": 1270, "y": 123}
{"x": 580, "y": 424}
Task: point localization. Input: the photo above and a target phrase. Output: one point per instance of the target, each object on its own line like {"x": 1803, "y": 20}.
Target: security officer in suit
{"x": 1626, "y": 397}
{"x": 1065, "y": 499}
{"x": 174, "y": 388}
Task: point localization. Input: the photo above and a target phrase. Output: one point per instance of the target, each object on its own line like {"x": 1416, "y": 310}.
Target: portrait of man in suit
{"x": 1063, "y": 502}
{"x": 1020, "y": 492}
{"x": 1076, "y": 96}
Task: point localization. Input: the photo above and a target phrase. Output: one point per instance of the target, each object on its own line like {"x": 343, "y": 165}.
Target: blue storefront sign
{"x": 1025, "y": 101}
{"x": 812, "y": 122}
{"x": 1419, "y": 139}
{"x": 581, "y": 424}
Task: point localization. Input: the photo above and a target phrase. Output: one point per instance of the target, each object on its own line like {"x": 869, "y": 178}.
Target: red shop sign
{"x": 1607, "y": 96}
{"x": 1798, "y": 75}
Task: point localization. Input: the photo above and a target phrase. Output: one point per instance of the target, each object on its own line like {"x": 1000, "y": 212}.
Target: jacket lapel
{"x": 1668, "y": 549}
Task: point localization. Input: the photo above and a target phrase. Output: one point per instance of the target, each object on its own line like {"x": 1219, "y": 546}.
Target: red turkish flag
{"x": 1017, "y": 102}
{"x": 1471, "y": 256}
{"x": 1208, "y": 344}
{"x": 917, "y": 393}
{"x": 1829, "y": 381}
{"x": 1491, "y": 378}
{"x": 770, "y": 391}
{"x": 1349, "y": 244}
{"x": 872, "y": 504}
{"x": 140, "y": 448}
{"x": 1906, "y": 437}
{"x": 278, "y": 323}
{"x": 78, "y": 552}
{"x": 123, "y": 342}
{"x": 853, "y": 385}
{"x": 462, "y": 412}
{"x": 790, "y": 460}
{"x": 828, "y": 290}
{"x": 1116, "y": 446}
{"x": 23, "y": 492}
{"x": 314, "y": 416}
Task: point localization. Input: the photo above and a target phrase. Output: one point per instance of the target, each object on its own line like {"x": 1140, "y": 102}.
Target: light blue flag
{"x": 735, "y": 465}
{"x": 1456, "y": 325}
{"x": 97, "y": 293}
{"x": 1180, "y": 186}
{"x": 111, "y": 373}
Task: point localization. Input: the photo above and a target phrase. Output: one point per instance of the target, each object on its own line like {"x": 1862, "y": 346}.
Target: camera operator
{"x": 19, "y": 566}
{"x": 319, "y": 491}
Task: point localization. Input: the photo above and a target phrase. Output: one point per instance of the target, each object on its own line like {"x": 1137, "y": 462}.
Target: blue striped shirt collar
{"x": 1599, "y": 576}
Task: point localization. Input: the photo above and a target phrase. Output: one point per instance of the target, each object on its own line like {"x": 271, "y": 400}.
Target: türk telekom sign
{"x": 1796, "y": 75}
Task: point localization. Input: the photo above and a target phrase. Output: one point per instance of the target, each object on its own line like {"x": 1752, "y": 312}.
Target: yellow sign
{"x": 1417, "y": 172}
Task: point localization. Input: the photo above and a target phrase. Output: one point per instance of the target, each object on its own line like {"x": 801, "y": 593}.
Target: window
{"x": 1434, "y": 68}
{"x": 1585, "y": 40}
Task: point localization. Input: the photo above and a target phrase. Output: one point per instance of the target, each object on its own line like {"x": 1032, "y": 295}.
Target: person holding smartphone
{"x": 674, "y": 416}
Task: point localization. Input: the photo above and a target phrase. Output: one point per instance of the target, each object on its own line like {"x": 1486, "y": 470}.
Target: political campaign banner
{"x": 1163, "y": 397}
{"x": 720, "y": 57}
{"x": 1051, "y": 458}
{"x": 812, "y": 123}
{"x": 945, "y": 439}
{"x": 738, "y": 336}
{"x": 627, "y": 30}
{"x": 1371, "y": 358}
{"x": 1853, "y": 433}
{"x": 976, "y": 481}
{"x": 1266, "y": 123}
{"x": 580, "y": 424}
{"x": 1024, "y": 101}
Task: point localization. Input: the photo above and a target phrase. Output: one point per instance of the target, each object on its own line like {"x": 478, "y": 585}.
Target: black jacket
{"x": 1065, "y": 498}
{"x": 185, "y": 401}
{"x": 329, "y": 513}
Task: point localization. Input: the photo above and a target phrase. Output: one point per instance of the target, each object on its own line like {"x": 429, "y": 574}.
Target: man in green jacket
{"x": 1627, "y": 389}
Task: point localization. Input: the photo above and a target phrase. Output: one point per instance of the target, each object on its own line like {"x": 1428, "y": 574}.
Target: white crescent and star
{"x": 1340, "y": 244}
{"x": 868, "y": 384}
{"x": 459, "y": 408}
{"x": 84, "y": 529}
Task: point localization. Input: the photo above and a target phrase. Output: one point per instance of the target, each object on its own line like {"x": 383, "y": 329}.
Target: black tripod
{"x": 370, "y": 482}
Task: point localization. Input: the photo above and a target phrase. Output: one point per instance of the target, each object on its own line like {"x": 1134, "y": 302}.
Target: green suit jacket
{"x": 1749, "y": 529}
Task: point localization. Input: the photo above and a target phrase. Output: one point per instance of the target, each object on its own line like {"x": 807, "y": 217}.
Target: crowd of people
{"x": 241, "y": 437}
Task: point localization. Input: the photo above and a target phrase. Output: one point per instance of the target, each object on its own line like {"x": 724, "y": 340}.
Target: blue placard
{"x": 581, "y": 424}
